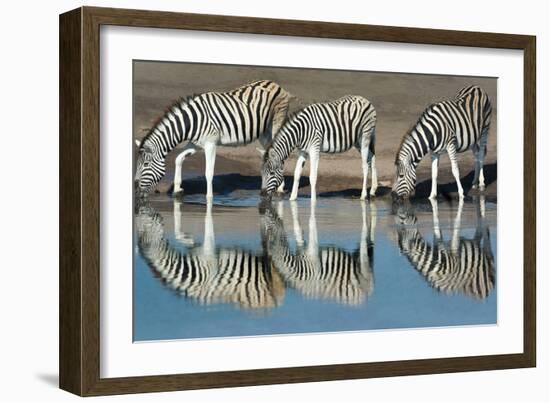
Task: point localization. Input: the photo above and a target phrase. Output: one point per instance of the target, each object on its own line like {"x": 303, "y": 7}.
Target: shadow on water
{"x": 423, "y": 189}
{"x": 229, "y": 183}
{"x": 447, "y": 189}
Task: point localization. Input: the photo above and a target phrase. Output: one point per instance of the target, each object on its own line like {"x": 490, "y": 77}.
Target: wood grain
{"x": 80, "y": 195}
{"x": 70, "y": 271}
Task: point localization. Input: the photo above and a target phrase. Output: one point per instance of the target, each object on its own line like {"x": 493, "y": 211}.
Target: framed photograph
{"x": 249, "y": 201}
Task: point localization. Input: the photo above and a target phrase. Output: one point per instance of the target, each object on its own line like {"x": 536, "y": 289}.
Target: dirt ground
{"x": 399, "y": 100}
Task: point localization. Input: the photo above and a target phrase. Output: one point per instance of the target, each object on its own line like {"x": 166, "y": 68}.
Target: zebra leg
{"x": 374, "y": 175}
{"x": 210, "y": 156}
{"x": 298, "y": 235}
{"x": 435, "y": 167}
{"x": 181, "y": 236}
{"x": 435, "y": 213}
{"x": 363, "y": 251}
{"x": 480, "y": 160}
{"x": 188, "y": 150}
{"x": 372, "y": 162}
{"x": 373, "y": 216}
{"x": 475, "y": 151}
{"x": 455, "y": 240}
{"x": 280, "y": 209}
{"x": 481, "y": 177}
{"x": 297, "y": 173}
{"x": 313, "y": 238}
{"x": 366, "y": 257}
{"x": 451, "y": 150}
{"x": 479, "y": 151}
{"x": 482, "y": 206}
{"x": 209, "y": 244}
{"x": 313, "y": 166}
{"x": 365, "y": 164}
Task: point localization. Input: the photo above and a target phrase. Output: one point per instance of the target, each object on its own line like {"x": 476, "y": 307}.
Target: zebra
{"x": 453, "y": 126}
{"x": 238, "y": 117}
{"x": 327, "y": 273}
{"x": 463, "y": 266}
{"x": 330, "y": 127}
{"x": 203, "y": 273}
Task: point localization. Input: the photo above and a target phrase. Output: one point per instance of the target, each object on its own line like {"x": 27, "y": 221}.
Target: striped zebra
{"x": 203, "y": 273}
{"x": 330, "y": 127}
{"x": 453, "y": 126}
{"x": 463, "y": 266}
{"x": 327, "y": 273}
{"x": 252, "y": 112}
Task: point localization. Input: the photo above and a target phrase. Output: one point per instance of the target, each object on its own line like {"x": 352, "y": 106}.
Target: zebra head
{"x": 272, "y": 174}
{"x": 404, "y": 213}
{"x": 405, "y": 178}
{"x": 149, "y": 228}
{"x": 150, "y": 169}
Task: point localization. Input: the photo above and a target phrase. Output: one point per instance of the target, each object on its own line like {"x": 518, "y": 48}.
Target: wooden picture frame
{"x": 80, "y": 199}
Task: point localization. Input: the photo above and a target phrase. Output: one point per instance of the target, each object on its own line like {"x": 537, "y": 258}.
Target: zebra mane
{"x": 408, "y": 134}
{"x": 465, "y": 91}
{"x": 291, "y": 117}
{"x": 179, "y": 103}
{"x": 294, "y": 114}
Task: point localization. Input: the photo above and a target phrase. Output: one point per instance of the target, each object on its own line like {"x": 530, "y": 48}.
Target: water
{"x": 236, "y": 269}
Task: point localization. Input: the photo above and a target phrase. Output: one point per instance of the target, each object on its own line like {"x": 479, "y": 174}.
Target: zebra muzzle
{"x": 265, "y": 194}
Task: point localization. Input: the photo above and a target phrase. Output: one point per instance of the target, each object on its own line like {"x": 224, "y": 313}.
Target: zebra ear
{"x": 262, "y": 152}
{"x": 137, "y": 142}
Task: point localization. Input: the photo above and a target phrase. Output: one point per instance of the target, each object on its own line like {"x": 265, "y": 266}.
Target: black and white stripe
{"x": 238, "y": 117}
{"x": 330, "y": 127}
{"x": 464, "y": 266}
{"x": 329, "y": 273}
{"x": 207, "y": 275}
{"x": 451, "y": 126}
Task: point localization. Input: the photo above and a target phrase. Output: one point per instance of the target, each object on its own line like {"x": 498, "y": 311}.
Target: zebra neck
{"x": 412, "y": 151}
{"x": 177, "y": 125}
{"x": 285, "y": 142}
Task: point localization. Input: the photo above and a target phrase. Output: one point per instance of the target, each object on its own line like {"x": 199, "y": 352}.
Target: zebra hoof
{"x": 373, "y": 192}
{"x": 480, "y": 188}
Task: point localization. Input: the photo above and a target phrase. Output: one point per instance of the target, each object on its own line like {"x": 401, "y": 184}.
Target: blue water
{"x": 397, "y": 295}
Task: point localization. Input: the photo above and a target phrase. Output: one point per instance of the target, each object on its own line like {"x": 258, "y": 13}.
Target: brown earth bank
{"x": 398, "y": 98}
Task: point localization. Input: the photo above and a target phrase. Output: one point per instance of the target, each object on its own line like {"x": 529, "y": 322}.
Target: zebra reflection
{"x": 327, "y": 273}
{"x": 204, "y": 273}
{"x": 461, "y": 266}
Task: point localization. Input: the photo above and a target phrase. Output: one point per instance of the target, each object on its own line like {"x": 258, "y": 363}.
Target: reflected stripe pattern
{"x": 468, "y": 270}
{"x": 232, "y": 276}
{"x": 334, "y": 274}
